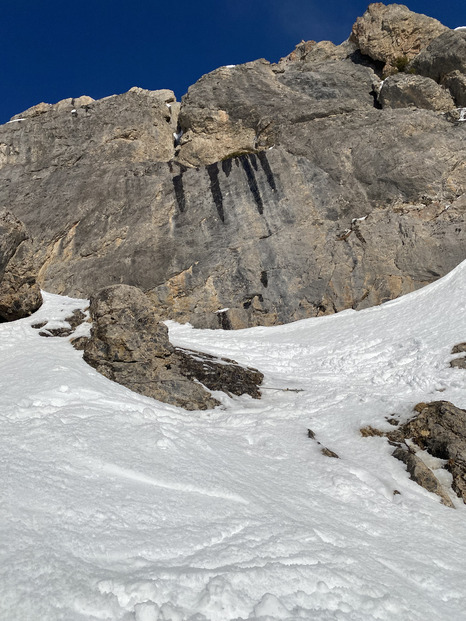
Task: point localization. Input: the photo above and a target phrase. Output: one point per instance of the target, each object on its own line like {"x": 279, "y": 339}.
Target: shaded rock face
{"x": 393, "y": 32}
{"x": 130, "y": 346}
{"x": 289, "y": 192}
{"x": 415, "y": 91}
{"x": 19, "y": 293}
{"x": 444, "y": 55}
{"x": 439, "y": 428}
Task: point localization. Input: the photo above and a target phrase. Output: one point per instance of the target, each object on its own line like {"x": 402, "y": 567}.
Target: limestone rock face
{"x": 414, "y": 91}
{"x": 19, "y": 293}
{"x": 392, "y": 34}
{"x": 135, "y": 126}
{"x": 289, "y": 193}
{"x": 444, "y": 55}
{"x": 130, "y": 346}
{"x": 248, "y": 108}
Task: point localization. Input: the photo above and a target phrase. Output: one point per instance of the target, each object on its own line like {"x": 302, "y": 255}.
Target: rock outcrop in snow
{"x": 440, "y": 429}
{"x": 238, "y": 208}
{"x": 130, "y": 346}
{"x": 19, "y": 293}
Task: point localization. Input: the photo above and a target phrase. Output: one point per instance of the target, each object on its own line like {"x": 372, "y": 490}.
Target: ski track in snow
{"x": 117, "y": 507}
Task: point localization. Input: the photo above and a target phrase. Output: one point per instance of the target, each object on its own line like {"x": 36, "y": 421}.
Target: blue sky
{"x": 52, "y": 49}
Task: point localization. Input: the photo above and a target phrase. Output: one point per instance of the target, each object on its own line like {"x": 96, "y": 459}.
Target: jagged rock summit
{"x": 273, "y": 192}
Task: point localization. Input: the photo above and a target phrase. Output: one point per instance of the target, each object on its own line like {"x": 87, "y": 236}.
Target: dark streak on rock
{"x": 212, "y": 170}
{"x": 179, "y": 192}
{"x": 252, "y": 182}
{"x": 264, "y": 278}
{"x": 226, "y": 167}
{"x": 267, "y": 170}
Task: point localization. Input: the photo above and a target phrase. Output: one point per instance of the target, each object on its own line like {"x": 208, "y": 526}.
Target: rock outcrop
{"x": 444, "y": 55}
{"x": 393, "y": 34}
{"x": 129, "y": 345}
{"x": 273, "y": 193}
{"x": 20, "y": 295}
{"x": 415, "y": 91}
{"x": 439, "y": 428}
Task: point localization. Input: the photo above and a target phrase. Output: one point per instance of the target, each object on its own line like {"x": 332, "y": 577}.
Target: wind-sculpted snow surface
{"x": 118, "y": 507}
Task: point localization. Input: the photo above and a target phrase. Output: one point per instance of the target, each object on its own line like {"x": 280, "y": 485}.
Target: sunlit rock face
{"x": 270, "y": 194}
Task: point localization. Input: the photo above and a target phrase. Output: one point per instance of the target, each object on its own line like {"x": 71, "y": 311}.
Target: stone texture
{"x": 444, "y": 55}
{"x": 440, "y": 428}
{"x": 289, "y": 195}
{"x": 422, "y": 474}
{"x": 458, "y": 363}
{"x": 250, "y": 107}
{"x": 456, "y": 84}
{"x": 392, "y": 34}
{"x": 19, "y": 293}
{"x": 414, "y": 91}
{"x": 317, "y": 52}
{"x": 135, "y": 126}
{"x": 130, "y": 346}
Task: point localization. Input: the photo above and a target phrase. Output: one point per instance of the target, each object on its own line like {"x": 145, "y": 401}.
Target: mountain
{"x": 321, "y": 474}
{"x": 331, "y": 180}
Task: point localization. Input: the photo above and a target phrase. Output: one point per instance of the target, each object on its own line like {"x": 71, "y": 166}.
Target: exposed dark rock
{"x": 324, "y": 450}
{"x": 328, "y": 453}
{"x": 414, "y": 91}
{"x": 422, "y": 474}
{"x": 80, "y": 342}
{"x": 459, "y": 348}
{"x": 19, "y": 293}
{"x": 219, "y": 374}
{"x": 458, "y": 363}
{"x": 456, "y": 84}
{"x": 39, "y": 325}
{"x": 74, "y": 320}
{"x": 129, "y": 345}
{"x": 56, "y": 332}
{"x": 440, "y": 428}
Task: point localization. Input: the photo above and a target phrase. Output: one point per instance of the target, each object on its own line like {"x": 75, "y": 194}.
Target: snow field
{"x": 117, "y": 507}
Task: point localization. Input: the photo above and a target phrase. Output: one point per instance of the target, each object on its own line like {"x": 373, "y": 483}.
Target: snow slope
{"x": 117, "y": 507}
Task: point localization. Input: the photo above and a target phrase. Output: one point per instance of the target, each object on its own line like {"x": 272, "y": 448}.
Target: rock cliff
{"x": 273, "y": 192}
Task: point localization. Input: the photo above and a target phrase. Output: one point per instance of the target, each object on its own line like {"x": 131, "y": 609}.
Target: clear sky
{"x": 53, "y": 49}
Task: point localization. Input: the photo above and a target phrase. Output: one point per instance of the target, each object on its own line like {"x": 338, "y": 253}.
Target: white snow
{"x": 461, "y": 28}
{"x": 117, "y": 507}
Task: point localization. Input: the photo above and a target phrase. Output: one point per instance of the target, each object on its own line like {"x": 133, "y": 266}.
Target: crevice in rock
{"x": 252, "y": 182}
{"x": 212, "y": 170}
{"x": 179, "y": 192}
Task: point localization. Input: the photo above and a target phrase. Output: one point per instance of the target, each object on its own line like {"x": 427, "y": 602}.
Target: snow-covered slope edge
{"x": 118, "y": 507}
